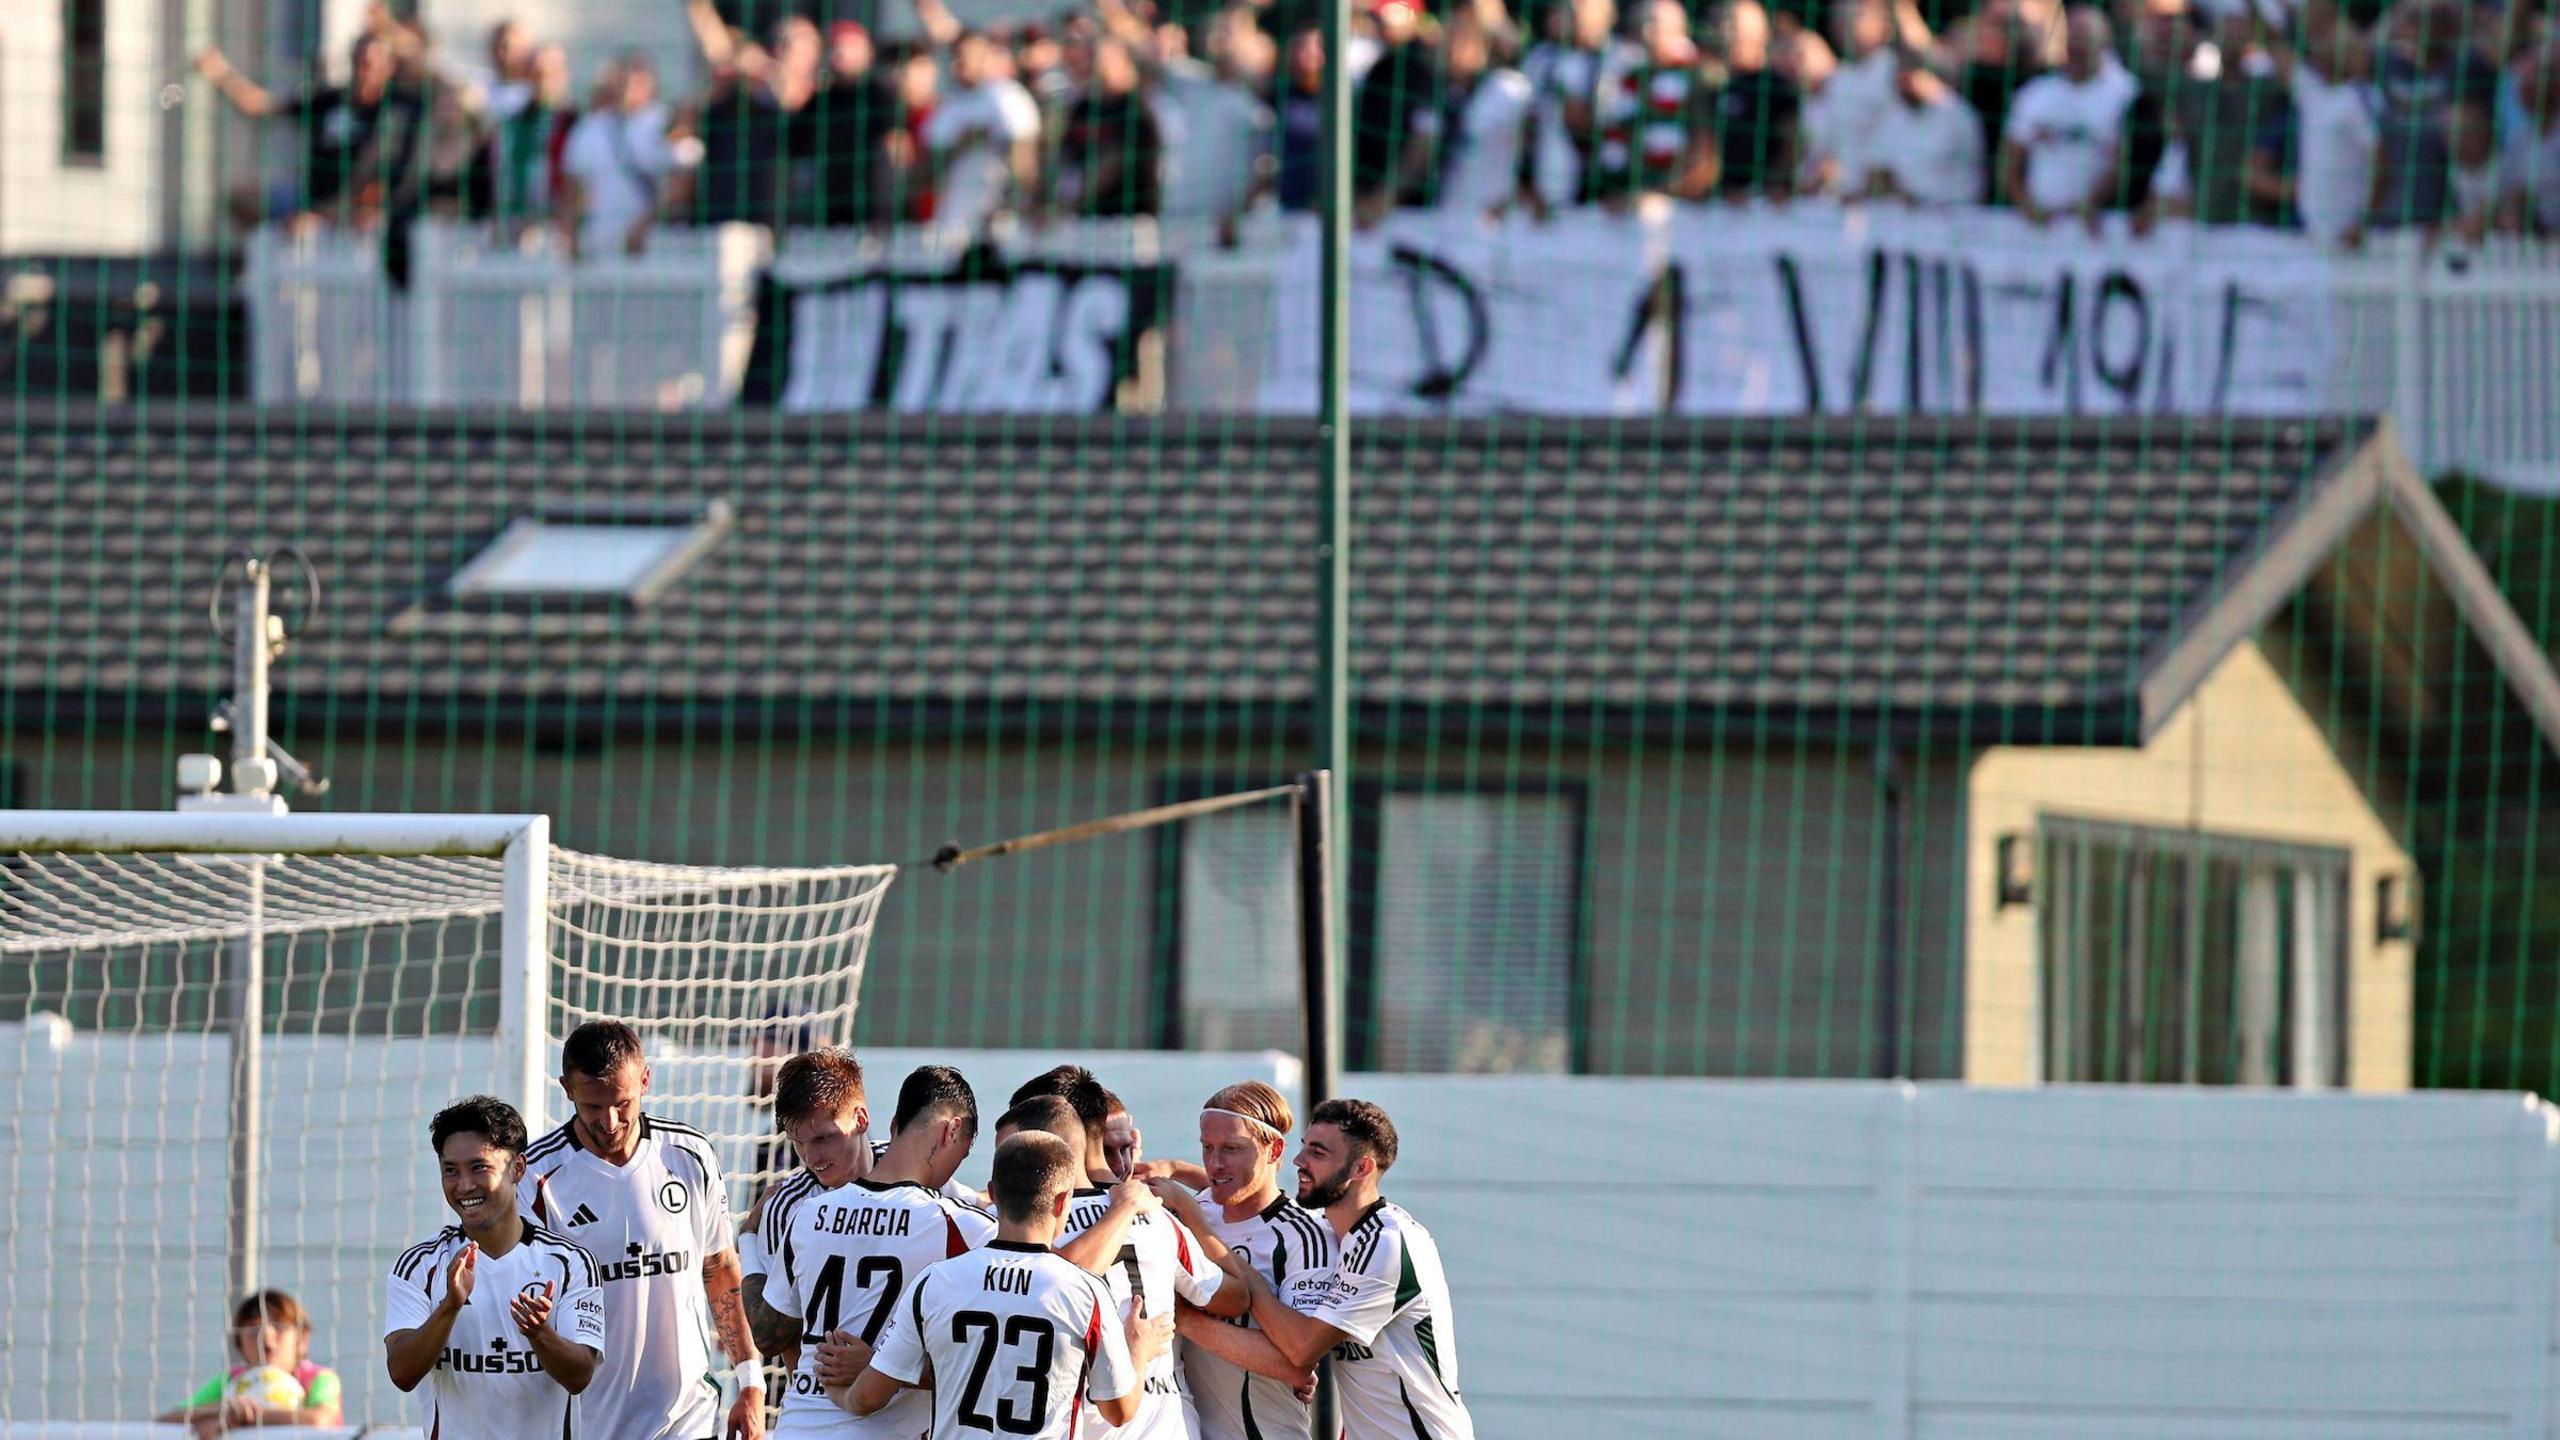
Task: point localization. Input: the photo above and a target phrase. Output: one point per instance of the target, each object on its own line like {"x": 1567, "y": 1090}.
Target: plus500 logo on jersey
{"x": 642, "y": 1264}
{"x": 499, "y": 1359}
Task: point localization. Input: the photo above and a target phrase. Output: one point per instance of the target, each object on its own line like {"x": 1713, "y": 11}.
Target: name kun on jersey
{"x": 1008, "y": 1279}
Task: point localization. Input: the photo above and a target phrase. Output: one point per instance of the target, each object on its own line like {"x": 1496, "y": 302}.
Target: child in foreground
{"x": 271, "y": 1345}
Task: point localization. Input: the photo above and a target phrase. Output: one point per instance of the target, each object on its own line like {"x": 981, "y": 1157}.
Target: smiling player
{"x": 500, "y": 1318}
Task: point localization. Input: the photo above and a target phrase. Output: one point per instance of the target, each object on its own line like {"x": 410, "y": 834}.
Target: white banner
{"x": 1812, "y": 307}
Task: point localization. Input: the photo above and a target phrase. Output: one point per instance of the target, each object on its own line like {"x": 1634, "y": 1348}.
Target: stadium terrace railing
{"x": 2456, "y": 342}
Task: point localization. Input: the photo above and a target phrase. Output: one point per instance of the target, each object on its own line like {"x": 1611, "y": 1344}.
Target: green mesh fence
{"x": 1897, "y": 690}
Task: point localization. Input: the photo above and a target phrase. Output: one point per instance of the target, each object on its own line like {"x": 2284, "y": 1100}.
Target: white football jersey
{"x": 842, "y": 1258}
{"x": 1398, "y": 1366}
{"x": 1284, "y": 1241}
{"x": 488, "y": 1385}
{"x": 1015, "y": 1337}
{"x": 649, "y": 1224}
{"x": 1158, "y": 1264}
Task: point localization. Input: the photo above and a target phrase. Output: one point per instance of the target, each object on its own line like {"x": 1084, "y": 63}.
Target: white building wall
{"x": 46, "y": 206}
{"x": 1636, "y": 1259}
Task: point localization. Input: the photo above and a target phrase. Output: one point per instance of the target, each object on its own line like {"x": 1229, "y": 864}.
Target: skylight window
{"x": 589, "y": 559}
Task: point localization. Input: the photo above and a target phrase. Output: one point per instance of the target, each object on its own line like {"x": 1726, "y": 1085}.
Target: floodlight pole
{"x": 1323, "y": 876}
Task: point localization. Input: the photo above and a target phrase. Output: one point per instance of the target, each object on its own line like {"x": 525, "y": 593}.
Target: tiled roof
{"x": 2016, "y": 569}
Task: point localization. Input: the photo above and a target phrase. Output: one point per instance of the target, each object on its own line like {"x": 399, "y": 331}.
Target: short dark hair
{"x": 599, "y": 1048}
{"x": 1364, "y": 1125}
{"x": 1031, "y": 1167}
{"x": 1112, "y": 1105}
{"x": 1048, "y": 1115}
{"x": 1075, "y": 1085}
{"x": 816, "y": 1082}
{"x": 484, "y": 1115}
{"x": 938, "y": 1089}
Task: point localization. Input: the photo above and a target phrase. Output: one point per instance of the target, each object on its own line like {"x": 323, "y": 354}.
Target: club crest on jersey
{"x": 672, "y": 1197}
{"x": 533, "y": 1290}
{"x": 642, "y": 1263}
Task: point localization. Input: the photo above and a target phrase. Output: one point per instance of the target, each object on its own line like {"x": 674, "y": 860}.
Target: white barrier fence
{"x": 1636, "y": 1258}
{"x": 2460, "y": 344}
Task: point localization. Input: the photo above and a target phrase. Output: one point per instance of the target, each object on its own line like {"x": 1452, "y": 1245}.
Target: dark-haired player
{"x": 500, "y": 1318}
{"x": 1159, "y": 1263}
{"x": 845, "y": 1256}
{"x": 1013, "y": 1338}
{"x": 646, "y": 1196}
{"x": 1383, "y": 1309}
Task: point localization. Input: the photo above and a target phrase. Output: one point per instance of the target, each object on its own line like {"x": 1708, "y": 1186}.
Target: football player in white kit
{"x": 843, "y": 1255}
{"x": 498, "y": 1317}
{"x": 1159, "y": 1264}
{"x": 1243, "y": 1130}
{"x": 1013, "y": 1337}
{"x": 1383, "y": 1308}
{"x": 646, "y": 1197}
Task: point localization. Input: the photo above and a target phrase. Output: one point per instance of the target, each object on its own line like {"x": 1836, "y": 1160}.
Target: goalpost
{"x": 239, "y": 1023}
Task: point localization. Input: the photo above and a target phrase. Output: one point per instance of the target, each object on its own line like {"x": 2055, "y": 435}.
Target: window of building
{"x": 1465, "y": 934}
{"x": 1239, "y": 931}
{"x": 1468, "y": 956}
{"x": 84, "y": 82}
{"x": 2172, "y": 957}
{"x": 569, "y": 558}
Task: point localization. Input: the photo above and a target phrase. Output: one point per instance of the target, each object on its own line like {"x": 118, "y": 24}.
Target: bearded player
{"x": 1382, "y": 1310}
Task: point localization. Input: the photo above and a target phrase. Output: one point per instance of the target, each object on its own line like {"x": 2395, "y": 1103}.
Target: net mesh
{"x": 382, "y": 999}
{"x": 1812, "y": 620}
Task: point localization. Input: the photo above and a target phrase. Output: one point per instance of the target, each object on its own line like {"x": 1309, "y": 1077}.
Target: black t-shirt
{"x": 1755, "y": 120}
{"x": 750, "y": 147}
{"x": 1400, "y": 94}
{"x": 1111, "y": 158}
{"x": 846, "y": 134}
{"x": 350, "y": 147}
{"x": 1299, "y": 136}
{"x": 1991, "y": 90}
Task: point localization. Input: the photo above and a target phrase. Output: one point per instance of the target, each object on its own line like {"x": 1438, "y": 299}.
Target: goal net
{"x": 236, "y": 1029}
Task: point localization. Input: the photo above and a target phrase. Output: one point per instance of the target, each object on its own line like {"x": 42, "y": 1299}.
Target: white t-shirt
{"x": 2529, "y": 165}
{"x": 1398, "y": 1366}
{"x": 842, "y": 1258}
{"x": 1933, "y": 152}
{"x": 1016, "y": 1338}
{"x": 1846, "y": 121}
{"x": 653, "y": 1222}
{"x": 1215, "y": 133}
{"x": 1482, "y": 168}
{"x": 2336, "y": 132}
{"x": 1159, "y": 1264}
{"x": 488, "y": 1385}
{"x": 2073, "y": 132}
{"x": 621, "y": 160}
{"x": 971, "y": 134}
{"x": 1283, "y": 1240}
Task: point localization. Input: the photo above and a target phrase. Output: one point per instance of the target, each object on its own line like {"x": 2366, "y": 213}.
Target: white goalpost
{"x": 236, "y": 1024}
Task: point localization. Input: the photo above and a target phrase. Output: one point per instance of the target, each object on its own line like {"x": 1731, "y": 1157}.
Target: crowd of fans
{"x": 2332, "y": 116}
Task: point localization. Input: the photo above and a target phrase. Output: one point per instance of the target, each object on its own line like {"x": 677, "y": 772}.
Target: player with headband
{"x": 1242, "y": 1391}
